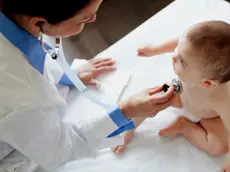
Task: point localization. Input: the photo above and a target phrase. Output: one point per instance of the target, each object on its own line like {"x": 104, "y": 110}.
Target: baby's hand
{"x": 147, "y": 51}
{"x": 127, "y": 137}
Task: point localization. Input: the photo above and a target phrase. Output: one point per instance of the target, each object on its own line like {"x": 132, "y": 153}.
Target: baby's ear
{"x": 206, "y": 83}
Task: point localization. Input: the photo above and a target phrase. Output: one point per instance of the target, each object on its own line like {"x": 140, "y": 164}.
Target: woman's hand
{"x": 146, "y": 103}
{"x": 95, "y": 67}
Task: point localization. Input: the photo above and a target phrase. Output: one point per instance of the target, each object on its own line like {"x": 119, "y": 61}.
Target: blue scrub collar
{"x": 24, "y": 41}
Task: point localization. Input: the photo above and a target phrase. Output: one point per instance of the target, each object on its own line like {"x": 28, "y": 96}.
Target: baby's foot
{"x": 174, "y": 128}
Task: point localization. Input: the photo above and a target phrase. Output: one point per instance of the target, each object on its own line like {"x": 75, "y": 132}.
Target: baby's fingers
{"x": 141, "y": 54}
{"x": 114, "y": 149}
{"x": 141, "y": 50}
{"x": 118, "y": 149}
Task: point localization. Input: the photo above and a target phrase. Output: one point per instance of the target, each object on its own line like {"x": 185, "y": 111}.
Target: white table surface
{"x": 147, "y": 151}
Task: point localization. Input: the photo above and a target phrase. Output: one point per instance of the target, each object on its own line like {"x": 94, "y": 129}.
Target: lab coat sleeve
{"x": 42, "y": 136}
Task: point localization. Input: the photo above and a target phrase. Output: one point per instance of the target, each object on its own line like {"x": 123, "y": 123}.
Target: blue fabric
{"x": 28, "y": 45}
{"x": 129, "y": 126}
{"x": 24, "y": 41}
{"x": 121, "y": 121}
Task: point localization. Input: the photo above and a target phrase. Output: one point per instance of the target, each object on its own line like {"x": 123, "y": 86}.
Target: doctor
{"x": 32, "y": 132}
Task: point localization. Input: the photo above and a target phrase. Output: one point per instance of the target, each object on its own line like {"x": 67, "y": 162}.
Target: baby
{"x": 202, "y": 63}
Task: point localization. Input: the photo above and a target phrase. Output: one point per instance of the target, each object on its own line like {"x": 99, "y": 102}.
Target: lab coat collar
{"x": 24, "y": 41}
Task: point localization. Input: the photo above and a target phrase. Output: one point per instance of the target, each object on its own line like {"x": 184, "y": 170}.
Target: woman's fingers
{"x": 104, "y": 63}
{"x": 165, "y": 105}
{"x": 159, "y": 107}
{"x": 104, "y": 69}
{"x": 99, "y": 60}
{"x": 155, "y": 90}
{"x": 94, "y": 82}
{"x": 165, "y": 97}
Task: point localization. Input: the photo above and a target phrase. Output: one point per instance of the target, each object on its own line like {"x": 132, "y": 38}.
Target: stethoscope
{"x": 58, "y": 55}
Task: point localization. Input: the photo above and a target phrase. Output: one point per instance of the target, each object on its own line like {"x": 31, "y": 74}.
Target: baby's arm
{"x": 166, "y": 47}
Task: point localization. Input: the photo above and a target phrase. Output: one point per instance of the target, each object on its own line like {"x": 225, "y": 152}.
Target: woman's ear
{"x": 40, "y": 23}
{"x": 206, "y": 83}
{"x": 36, "y": 24}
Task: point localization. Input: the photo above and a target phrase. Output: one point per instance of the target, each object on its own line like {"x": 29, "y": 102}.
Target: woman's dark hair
{"x": 52, "y": 10}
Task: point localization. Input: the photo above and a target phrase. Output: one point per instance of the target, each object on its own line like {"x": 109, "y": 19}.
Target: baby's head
{"x": 202, "y": 57}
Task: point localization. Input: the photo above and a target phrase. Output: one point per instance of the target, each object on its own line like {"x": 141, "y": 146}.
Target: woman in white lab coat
{"x": 32, "y": 132}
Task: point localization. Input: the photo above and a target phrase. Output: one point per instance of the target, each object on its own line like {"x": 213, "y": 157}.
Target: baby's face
{"x": 187, "y": 64}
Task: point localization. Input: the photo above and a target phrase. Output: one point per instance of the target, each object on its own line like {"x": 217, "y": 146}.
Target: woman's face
{"x": 75, "y": 24}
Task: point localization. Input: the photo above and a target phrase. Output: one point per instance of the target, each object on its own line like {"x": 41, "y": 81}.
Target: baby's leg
{"x": 208, "y": 135}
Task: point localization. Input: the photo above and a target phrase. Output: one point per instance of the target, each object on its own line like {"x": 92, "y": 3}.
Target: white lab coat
{"x": 31, "y": 112}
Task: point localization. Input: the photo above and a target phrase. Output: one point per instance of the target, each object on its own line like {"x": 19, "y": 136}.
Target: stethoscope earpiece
{"x": 52, "y": 52}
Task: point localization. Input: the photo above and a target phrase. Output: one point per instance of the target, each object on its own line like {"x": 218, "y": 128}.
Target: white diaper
{"x": 187, "y": 115}
{"x": 191, "y": 117}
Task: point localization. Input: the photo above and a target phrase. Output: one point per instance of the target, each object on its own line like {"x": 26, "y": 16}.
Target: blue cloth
{"x": 119, "y": 119}
{"x": 30, "y": 46}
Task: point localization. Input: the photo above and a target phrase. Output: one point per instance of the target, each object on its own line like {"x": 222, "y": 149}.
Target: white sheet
{"x": 147, "y": 151}
{"x": 111, "y": 85}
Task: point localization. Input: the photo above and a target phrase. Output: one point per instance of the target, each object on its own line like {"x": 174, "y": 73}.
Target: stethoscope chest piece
{"x": 178, "y": 89}
{"x": 177, "y": 86}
